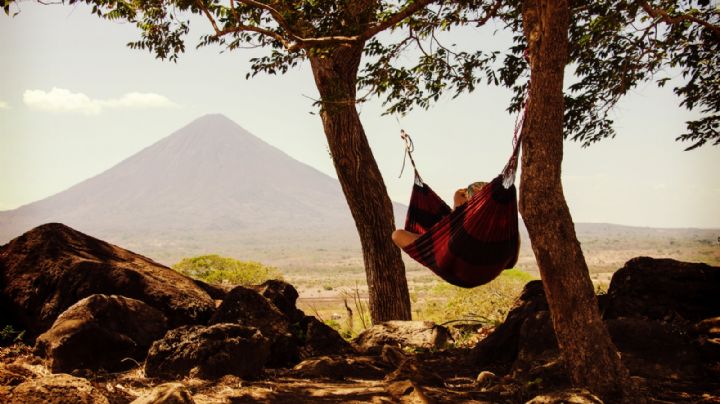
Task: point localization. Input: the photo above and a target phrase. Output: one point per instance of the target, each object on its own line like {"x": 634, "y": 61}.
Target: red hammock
{"x": 473, "y": 244}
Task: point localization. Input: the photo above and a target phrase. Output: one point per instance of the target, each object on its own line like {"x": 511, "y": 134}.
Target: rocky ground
{"x": 105, "y": 325}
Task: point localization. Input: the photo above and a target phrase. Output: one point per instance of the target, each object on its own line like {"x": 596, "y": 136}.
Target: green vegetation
{"x": 216, "y": 269}
{"x": 9, "y": 335}
{"x": 432, "y": 300}
{"x": 487, "y": 304}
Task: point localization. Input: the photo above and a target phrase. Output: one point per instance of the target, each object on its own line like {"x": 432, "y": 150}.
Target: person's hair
{"x": 479, "y": 185}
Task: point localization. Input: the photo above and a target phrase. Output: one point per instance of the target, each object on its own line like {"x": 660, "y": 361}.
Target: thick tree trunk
{"x": 335, "y": 75}
{"x": 588, "y": 352}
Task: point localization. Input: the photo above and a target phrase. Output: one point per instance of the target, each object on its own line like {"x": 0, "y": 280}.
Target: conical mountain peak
{"x": 207, "y": 178}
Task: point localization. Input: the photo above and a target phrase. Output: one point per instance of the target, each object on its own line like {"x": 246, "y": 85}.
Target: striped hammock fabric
{"x": 471, "y": 245}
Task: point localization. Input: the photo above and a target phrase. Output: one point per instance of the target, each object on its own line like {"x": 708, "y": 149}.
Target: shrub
{"x": 216, "y": 269}
{"x": 488, "y": 304}
{"x": 8, "y": 335}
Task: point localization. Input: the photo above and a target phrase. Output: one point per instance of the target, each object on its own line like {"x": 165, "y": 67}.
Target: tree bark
{"x": 335, "y": 71}
{"x": 589, "y": 355}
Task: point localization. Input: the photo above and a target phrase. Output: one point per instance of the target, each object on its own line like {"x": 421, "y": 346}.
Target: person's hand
{"x": 460, "y": 197}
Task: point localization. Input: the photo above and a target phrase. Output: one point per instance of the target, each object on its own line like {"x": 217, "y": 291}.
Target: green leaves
{"x": 215, "y": 269}
{"x": 615, "y": 46}
{"x": 419, "y": 66}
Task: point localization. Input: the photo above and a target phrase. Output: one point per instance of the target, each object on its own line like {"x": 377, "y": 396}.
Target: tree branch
{"x": 247, "y": 28}
{"x": 396, "y": 18}
{"x": 294, "y": 42}
{"x": 490, "y": 14}
{"x": 275, "y": 14}
{"x": 662, "y": 14}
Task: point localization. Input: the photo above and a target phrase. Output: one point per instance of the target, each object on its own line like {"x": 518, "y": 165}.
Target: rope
{"x": 409, "y": 149}
{"x": 510, "y": 168}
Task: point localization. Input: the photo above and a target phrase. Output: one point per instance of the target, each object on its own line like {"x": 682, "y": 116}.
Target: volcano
{"x": 211, "y": 186}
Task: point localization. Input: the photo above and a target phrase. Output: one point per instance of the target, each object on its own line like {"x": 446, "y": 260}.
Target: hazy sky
{"x": 74, "y": 101}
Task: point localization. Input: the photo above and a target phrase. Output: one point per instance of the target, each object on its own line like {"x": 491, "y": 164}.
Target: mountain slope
{"x": 209, "y": 183}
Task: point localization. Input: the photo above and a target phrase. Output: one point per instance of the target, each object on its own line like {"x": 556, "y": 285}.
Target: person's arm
{"x": 459, "y": 198}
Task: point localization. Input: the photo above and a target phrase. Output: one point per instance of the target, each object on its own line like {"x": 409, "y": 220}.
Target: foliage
{"x": 488, "y": 304}
{"x": 290, "y": 30}
{"x": 9, "y": 335}
{"x": 615, "y": 45}
{"x": 344, "y": 332}
{"x": 216, "y": 269}
{"x": 439, "y": 68}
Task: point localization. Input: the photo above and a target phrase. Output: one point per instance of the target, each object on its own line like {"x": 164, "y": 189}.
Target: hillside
{"x": 211, "y": 185}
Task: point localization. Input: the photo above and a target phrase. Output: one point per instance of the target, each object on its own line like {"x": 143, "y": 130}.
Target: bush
{"x": 217, "y": 269}
{"x": 487, "y": 304}
{"x": 8, "y": 335}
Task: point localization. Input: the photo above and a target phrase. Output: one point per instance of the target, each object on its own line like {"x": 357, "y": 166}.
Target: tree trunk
{"x": 335, "y": 72}
{"x": 589, "y": 354}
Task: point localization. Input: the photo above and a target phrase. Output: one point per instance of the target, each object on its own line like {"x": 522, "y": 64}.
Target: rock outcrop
{"x": 284, "y": 296}
{"x": 246, "y": 307}
{"x": 664, "y": 289}
{"x": 659, "y": 313}
{"x": 208, "y": 352}
{"x": 50, "y": 268}
{"x": 99, "y": 332}
{"x": 410, "y": 334}
{"x": 271, "y": 308}
{"x": 59, "y": 388}
{"x": 503, "y": 344}
{"x": 318, "y": 339}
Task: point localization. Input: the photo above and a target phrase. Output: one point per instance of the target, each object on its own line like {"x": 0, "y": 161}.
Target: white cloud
{"x": 62, "y": 100}
{"x": 140, "y": 100}
{"x": 4, "y": 105}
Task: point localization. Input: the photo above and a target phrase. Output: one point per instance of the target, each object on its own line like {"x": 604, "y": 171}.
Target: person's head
{"x": 474, "y": 188}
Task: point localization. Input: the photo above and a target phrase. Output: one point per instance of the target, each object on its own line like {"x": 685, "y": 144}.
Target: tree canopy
{"x": 615, "y": 46}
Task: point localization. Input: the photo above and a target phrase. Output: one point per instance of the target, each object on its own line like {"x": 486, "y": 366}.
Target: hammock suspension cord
{"x": 472, "y": 244}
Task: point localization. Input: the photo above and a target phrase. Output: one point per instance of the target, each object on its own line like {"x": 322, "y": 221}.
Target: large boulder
{"x": 537, "y": 344}
{"x": 319, "y": 339}
{"x": 208, "y": 352}
{"x": 651, "y": 312}
{"x": 406, "y": 334}
{"x": 663, "y": 289}
{"x": 284, "y": 296}
{"x": 503, "y": 344}
{"x": 50, "y": 268}
{"x": 653, "y": 349}
{"x": 98, "y": 332}
{"x": 246, "y": 307}
{"x": 54, "y": 389}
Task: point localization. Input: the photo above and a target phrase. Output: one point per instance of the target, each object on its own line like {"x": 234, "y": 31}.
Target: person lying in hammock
{"x": 403, "y": 238}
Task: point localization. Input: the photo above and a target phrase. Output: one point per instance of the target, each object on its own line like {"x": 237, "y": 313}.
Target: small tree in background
{"x": 216, "y": 269}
